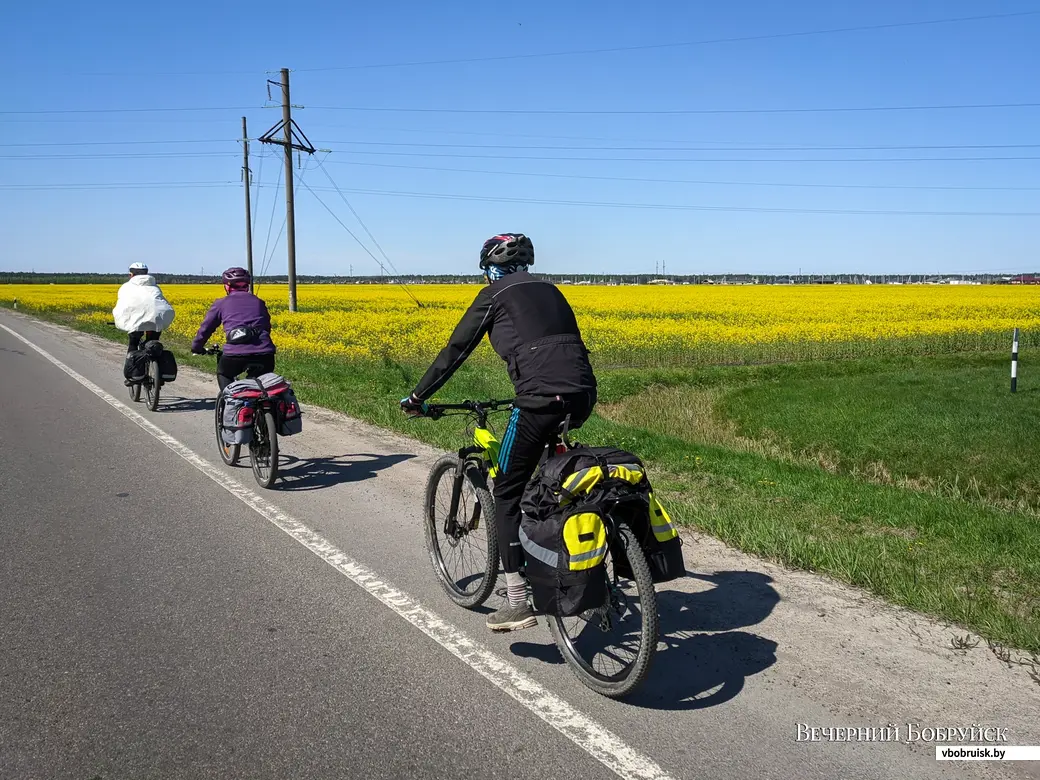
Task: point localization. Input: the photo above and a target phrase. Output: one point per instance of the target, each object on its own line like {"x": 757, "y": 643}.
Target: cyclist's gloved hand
{"x": 413, "y": 406}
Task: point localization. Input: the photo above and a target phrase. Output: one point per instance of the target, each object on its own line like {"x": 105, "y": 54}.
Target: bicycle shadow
{"x": 694, "y": 669}
{"x": 318, "y": 473}
{"x": 179, "y": 404}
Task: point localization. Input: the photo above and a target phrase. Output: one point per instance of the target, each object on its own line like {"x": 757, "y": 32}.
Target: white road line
{"x": 596, "y": 740}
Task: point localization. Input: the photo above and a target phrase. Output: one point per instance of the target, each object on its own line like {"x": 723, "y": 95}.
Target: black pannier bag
{"x": 591, "y": 478}
{"x": 136, "y": 365}
{"x": 564, "y": 556}
{"x": 167, "y": 366}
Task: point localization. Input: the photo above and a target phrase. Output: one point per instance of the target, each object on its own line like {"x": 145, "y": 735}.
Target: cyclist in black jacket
{"x": 532, "y": 327}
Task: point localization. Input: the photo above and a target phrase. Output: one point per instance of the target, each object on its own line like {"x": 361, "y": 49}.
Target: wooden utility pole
{"x": 247, "y": 180}
{"x": 292, "y": 138}
{"x": 290, "y": 210}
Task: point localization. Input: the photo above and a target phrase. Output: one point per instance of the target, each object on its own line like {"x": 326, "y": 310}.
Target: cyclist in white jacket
{"x": 141, "y": 309}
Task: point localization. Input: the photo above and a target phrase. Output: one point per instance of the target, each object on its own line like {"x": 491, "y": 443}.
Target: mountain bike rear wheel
{"x": 610, "y": 649}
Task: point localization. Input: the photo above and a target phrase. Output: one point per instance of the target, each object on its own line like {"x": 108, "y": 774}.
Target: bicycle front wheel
{"x": 263, "y": 450}
{"x": 151, "y": 386}
{"x": 135, "y": 391}
{"x": 463, "y": 545}
{"x": 610, "y": 649}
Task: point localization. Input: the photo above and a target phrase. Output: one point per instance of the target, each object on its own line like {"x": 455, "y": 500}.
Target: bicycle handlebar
{"x": 436, "y": 411}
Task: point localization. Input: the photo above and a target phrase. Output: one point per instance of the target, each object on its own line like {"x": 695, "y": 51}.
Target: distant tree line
{"x": 31, "y": 277}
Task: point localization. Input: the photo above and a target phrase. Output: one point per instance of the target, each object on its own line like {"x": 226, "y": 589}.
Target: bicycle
{"x": 263, "y": 446}
{"x": 631, "y": 593}
{"x": 152, "y": 380}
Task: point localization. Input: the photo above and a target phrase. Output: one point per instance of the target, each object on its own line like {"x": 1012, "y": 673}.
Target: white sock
{"x": 516, "y": 589}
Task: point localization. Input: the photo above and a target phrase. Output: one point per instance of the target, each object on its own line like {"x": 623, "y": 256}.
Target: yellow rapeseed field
{"x": 622, "y": 325}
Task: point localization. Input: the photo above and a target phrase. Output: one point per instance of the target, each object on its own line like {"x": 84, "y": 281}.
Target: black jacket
{"x": 532, "y": 327}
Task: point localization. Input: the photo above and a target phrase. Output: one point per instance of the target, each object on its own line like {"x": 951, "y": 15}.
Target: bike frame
{"x": 484, "y": 452}
{"x": 263, "y": 404}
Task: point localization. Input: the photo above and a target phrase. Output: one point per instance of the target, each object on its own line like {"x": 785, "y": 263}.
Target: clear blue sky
{"x": 65, "y": 57}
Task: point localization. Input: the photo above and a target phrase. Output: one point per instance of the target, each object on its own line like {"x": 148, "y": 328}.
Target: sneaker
{"x": 511, "y": 618}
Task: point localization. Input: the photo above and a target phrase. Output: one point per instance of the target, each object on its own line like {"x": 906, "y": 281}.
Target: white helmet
{"x": 138, "y": 268}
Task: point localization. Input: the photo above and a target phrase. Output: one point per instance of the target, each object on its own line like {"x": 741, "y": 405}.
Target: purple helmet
{"x": 236, "y": 278}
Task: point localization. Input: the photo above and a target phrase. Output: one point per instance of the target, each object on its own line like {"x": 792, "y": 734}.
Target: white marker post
{"x": 1014, "y": 362}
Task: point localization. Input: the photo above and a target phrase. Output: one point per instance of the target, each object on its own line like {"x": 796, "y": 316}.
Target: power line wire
{"x": 119, "y": 185}
{"x": 342, "y": 224}
{"x": 499, "y": 134}
{"x": 687, "y": 181}
{"x": 258, "y": 186}
{"x": 694, "y": 148}
{"x": 256, "y": 189}
{"x": 676, "y": 111}
{"x": 126, "y": 110}
{"x": 121, "y": 143}
{"x": 354, "y": 236}
{"x": 688, "y": 159}
{"x": 160, "y": 74}
{"x": 285, "y": 221}
{"x": 577, "y": 52}
{"x": 744, "y": 147}
{"x": 685, "y": 207}
{"x": 701, "y": 42}
{"x": 270, "y": 224}
{"x": 113, "y": 156}
{"x": 274, "y": 247}
{"x": 356, "y": 215}
{"x": 81, "y": 120}
{"x": 567, "y": 112}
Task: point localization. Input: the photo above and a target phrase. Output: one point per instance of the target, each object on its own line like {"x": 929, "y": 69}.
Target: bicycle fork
{"x": 452, "y": 528}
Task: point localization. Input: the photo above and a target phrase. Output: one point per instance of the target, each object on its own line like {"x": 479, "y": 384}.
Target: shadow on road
{"x": 177, "y": 404}
{"x": 693, "y": 669}
{"x": 317, "y": 473}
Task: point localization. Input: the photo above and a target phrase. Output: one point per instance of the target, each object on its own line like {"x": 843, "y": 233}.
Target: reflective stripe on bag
{"x": 544, "y": 554}
{"x": 629, "y": 472}
{"x": 585, "y": 536}
{"x": 660, "y": 522}
{"x": 580, "y": 482}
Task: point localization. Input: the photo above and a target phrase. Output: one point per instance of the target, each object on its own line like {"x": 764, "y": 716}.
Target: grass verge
{"x": 775, "y": 461}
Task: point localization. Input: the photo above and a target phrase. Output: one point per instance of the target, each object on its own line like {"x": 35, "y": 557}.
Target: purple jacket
{"x": 237, "y": 309}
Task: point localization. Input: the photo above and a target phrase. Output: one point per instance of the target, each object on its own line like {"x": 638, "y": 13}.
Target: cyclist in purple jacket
{"x": 247, "y": 329}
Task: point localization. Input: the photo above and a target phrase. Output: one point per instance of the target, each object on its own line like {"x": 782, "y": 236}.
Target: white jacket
{"x": 141, "y": 306}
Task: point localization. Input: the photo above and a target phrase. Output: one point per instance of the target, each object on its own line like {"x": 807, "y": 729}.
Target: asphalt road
{"x": 155, "y": 625}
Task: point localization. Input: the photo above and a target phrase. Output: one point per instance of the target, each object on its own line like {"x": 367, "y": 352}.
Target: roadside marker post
{"x": 1014, "y": 362}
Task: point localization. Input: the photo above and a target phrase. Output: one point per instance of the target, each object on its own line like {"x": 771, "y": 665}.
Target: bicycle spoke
{"x": 464, "y": 558}
{"x": 608, "y": 639}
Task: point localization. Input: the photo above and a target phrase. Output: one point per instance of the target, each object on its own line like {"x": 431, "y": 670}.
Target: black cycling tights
{"x": 230, "y": 366}
{"x": 522, "y": 445}
{"x": 138, "y": 335}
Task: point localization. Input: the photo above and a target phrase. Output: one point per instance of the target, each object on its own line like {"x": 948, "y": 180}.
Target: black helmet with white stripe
{"x": 507, "y": 249}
